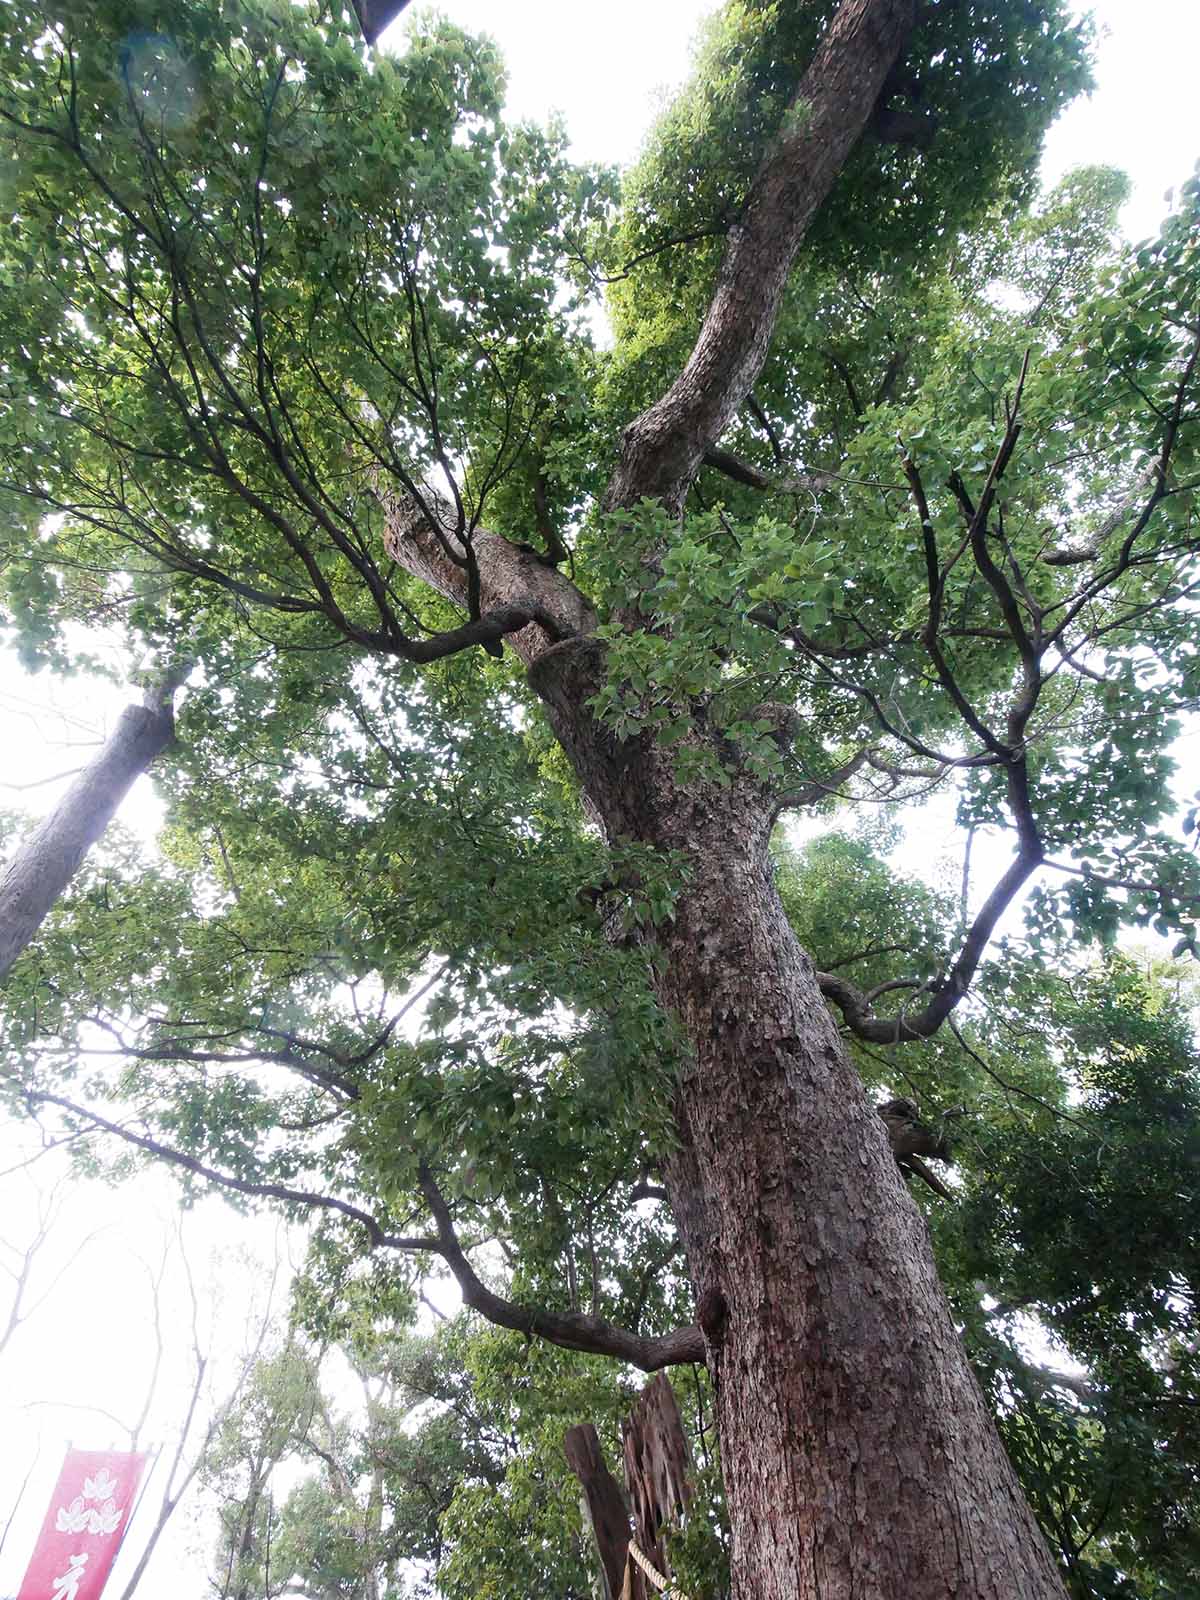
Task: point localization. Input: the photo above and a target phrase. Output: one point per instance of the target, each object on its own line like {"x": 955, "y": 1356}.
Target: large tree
{"x": 508, "y": 654}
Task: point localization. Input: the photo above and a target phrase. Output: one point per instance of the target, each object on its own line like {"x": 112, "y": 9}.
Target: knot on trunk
{"x": 909, "y": 1135}
{"x": 911, "y": 1139}
{"x": 786, "y": 722}
{"x": 713, "y": 1316}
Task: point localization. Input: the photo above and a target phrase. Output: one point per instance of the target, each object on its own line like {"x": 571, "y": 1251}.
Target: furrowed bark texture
{"x": 859, "y": 1457}
{"x": 45, "y": 864}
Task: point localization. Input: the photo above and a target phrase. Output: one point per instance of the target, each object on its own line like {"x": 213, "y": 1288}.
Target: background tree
{"x": 299, "y": 369}
{"x": 442, "y": 1474}
{"x": 277, "y": 1410}
{"x": 46, "y": 862}
{"x": 182, "y": 1325}
{"x": 23, "y": 1253}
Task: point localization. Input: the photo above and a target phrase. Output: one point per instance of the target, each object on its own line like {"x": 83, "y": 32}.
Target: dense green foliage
{"x": 981, "y": 82}
{"x": 247, "y": 277}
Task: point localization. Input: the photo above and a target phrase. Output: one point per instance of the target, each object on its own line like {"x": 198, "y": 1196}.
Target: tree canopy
{"x": 382, "y": 968}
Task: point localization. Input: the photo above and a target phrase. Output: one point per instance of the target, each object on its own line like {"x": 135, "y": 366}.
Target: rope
{"x": 655, "y": 1576}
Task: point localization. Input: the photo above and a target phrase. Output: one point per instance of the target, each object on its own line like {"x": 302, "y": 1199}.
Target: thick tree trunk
{"x": 859, "y": 1457}
{"x": 45, "y": 864}
{"x": 858, "y": 1454}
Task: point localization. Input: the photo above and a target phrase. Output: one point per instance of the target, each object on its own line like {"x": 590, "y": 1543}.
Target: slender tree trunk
{"x": 45, "y": 864}
{"x": 242, "y": 1547}
{"x": 860, "y": 1460}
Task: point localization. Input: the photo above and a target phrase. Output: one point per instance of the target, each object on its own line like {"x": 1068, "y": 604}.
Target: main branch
{"x": 664, "y": 448}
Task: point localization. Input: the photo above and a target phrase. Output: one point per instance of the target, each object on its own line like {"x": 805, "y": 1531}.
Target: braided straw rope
{"x": 651, "y": 1571}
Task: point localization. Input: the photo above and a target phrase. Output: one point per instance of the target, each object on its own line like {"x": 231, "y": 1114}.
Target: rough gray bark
{"x": 859, "y": 1457}
{"x": 47, "y": 861}
{"x": 860, "y": 1460}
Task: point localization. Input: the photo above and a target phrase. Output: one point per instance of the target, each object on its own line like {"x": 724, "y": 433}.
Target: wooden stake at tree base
{"x": 603, "y": 1503}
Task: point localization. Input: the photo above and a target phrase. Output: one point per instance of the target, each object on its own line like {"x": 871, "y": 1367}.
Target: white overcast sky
{"x": 606, "y": 70}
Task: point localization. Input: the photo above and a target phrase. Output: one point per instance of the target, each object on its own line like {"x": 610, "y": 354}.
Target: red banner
{"x": 83, "y": 1528}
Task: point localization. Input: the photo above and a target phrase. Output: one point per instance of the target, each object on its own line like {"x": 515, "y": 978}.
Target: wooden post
{"x": 603, "y": 1503}
{"x": 657, "y": 1464}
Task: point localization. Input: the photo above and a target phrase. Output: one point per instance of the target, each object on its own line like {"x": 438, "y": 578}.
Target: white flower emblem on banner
{"x": 79, "y": 1517}
{"x": 72, "y": 1518}
{"x": 102, "y": 1487}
